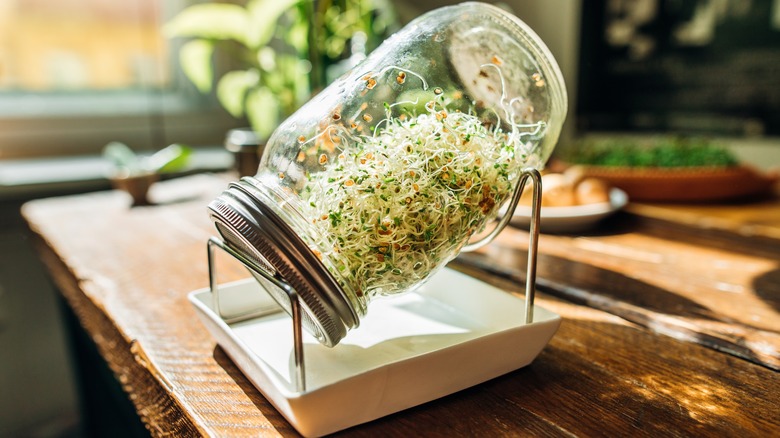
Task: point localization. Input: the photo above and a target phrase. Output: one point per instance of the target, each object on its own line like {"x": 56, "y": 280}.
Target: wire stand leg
{"x": 300, "y": 366}
{"x": 533, "y": 244}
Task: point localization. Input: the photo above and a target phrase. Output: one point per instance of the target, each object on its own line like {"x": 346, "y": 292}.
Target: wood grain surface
{"x": 632, "y": 357}
{"x": 716, "y": 289}
{"x": 751, "y": 217}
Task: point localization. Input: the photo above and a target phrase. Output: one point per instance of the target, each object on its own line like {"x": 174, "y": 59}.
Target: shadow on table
{"x": 662, "y": 310}
{"x": 583, "y": 283}
{"x": 703, "y": 235}
{"x": 634, "y": 300}
{"x": 767, "y": 287}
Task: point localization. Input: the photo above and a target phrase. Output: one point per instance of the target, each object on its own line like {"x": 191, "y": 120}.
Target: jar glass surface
{"x": 388, "y": 172}
{"x": 395, "y": 165}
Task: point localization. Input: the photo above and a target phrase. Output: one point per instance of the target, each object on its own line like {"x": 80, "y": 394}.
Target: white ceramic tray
{"x": 452, "y": 333}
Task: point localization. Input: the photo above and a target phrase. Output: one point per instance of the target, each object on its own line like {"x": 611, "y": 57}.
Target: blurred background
{"x": 76, "y": 75}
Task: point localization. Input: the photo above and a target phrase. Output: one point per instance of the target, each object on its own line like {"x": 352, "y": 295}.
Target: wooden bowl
{"x": 689, "y": 184}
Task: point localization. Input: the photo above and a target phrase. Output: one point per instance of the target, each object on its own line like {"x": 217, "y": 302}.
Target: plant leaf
{"x": 210, "y": 21}
{"x": 170, "y": 159}
{"x": 262, "y": 110}
{"x": 263, "y": 17}
{"x": 266, "y": 58}
{"x": 232, "y": 89}
{"x": 121, "y": 156}
{"x": 298, "y": 35}
{"x": 195, "y": 60}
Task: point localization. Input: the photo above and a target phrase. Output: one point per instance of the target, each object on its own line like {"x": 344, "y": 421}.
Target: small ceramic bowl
{"x": 136, "y": 185}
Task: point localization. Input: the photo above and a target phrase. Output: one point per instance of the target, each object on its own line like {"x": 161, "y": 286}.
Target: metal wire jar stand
{"x": 296, "y": 309}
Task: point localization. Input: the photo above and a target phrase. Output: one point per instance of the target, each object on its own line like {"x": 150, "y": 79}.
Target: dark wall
{"x": 692, "y": 66}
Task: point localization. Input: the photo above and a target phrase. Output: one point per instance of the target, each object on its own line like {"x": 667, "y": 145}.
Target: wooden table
{"x": 668, "y": 329}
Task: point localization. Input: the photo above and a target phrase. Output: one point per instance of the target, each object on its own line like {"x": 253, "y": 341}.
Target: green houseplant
{"x": 276, "y": 52}
{"x": 135, "y": 174}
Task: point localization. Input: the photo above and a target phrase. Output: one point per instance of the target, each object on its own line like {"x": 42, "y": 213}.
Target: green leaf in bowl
{"x": 170, "y": 159}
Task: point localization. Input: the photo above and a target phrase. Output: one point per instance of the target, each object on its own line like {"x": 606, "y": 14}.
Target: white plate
{"x": 403, "y": 354}
{"x": 574, "y": 218}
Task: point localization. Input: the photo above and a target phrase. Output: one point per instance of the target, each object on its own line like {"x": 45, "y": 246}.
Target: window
{"x": 77, "y": 74}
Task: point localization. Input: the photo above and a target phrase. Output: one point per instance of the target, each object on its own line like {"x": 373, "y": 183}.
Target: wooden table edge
{"x": 124, "y": 357}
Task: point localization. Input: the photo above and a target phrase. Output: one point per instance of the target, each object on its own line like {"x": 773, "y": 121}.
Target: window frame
{"x": 80, "y": 122}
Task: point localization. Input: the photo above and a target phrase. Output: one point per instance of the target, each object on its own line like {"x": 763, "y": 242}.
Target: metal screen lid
{"x": 249, "y": 225}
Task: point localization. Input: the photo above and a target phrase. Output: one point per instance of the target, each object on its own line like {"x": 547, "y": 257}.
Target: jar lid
{"x": 248, "y": 224}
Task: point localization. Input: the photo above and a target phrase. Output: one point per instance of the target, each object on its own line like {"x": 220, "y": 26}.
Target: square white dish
{"x": 452, "y": 333}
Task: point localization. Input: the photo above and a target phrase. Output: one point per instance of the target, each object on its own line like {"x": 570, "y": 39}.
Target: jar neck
{"x": 286, "y": 204}
{"x": 250, "y": 219}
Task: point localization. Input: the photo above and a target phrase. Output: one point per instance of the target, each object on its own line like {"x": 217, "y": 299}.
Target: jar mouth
{"x": 245, "y": 218}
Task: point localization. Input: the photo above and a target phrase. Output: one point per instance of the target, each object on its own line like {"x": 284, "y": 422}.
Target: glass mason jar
{"x": 383, "y": 177}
